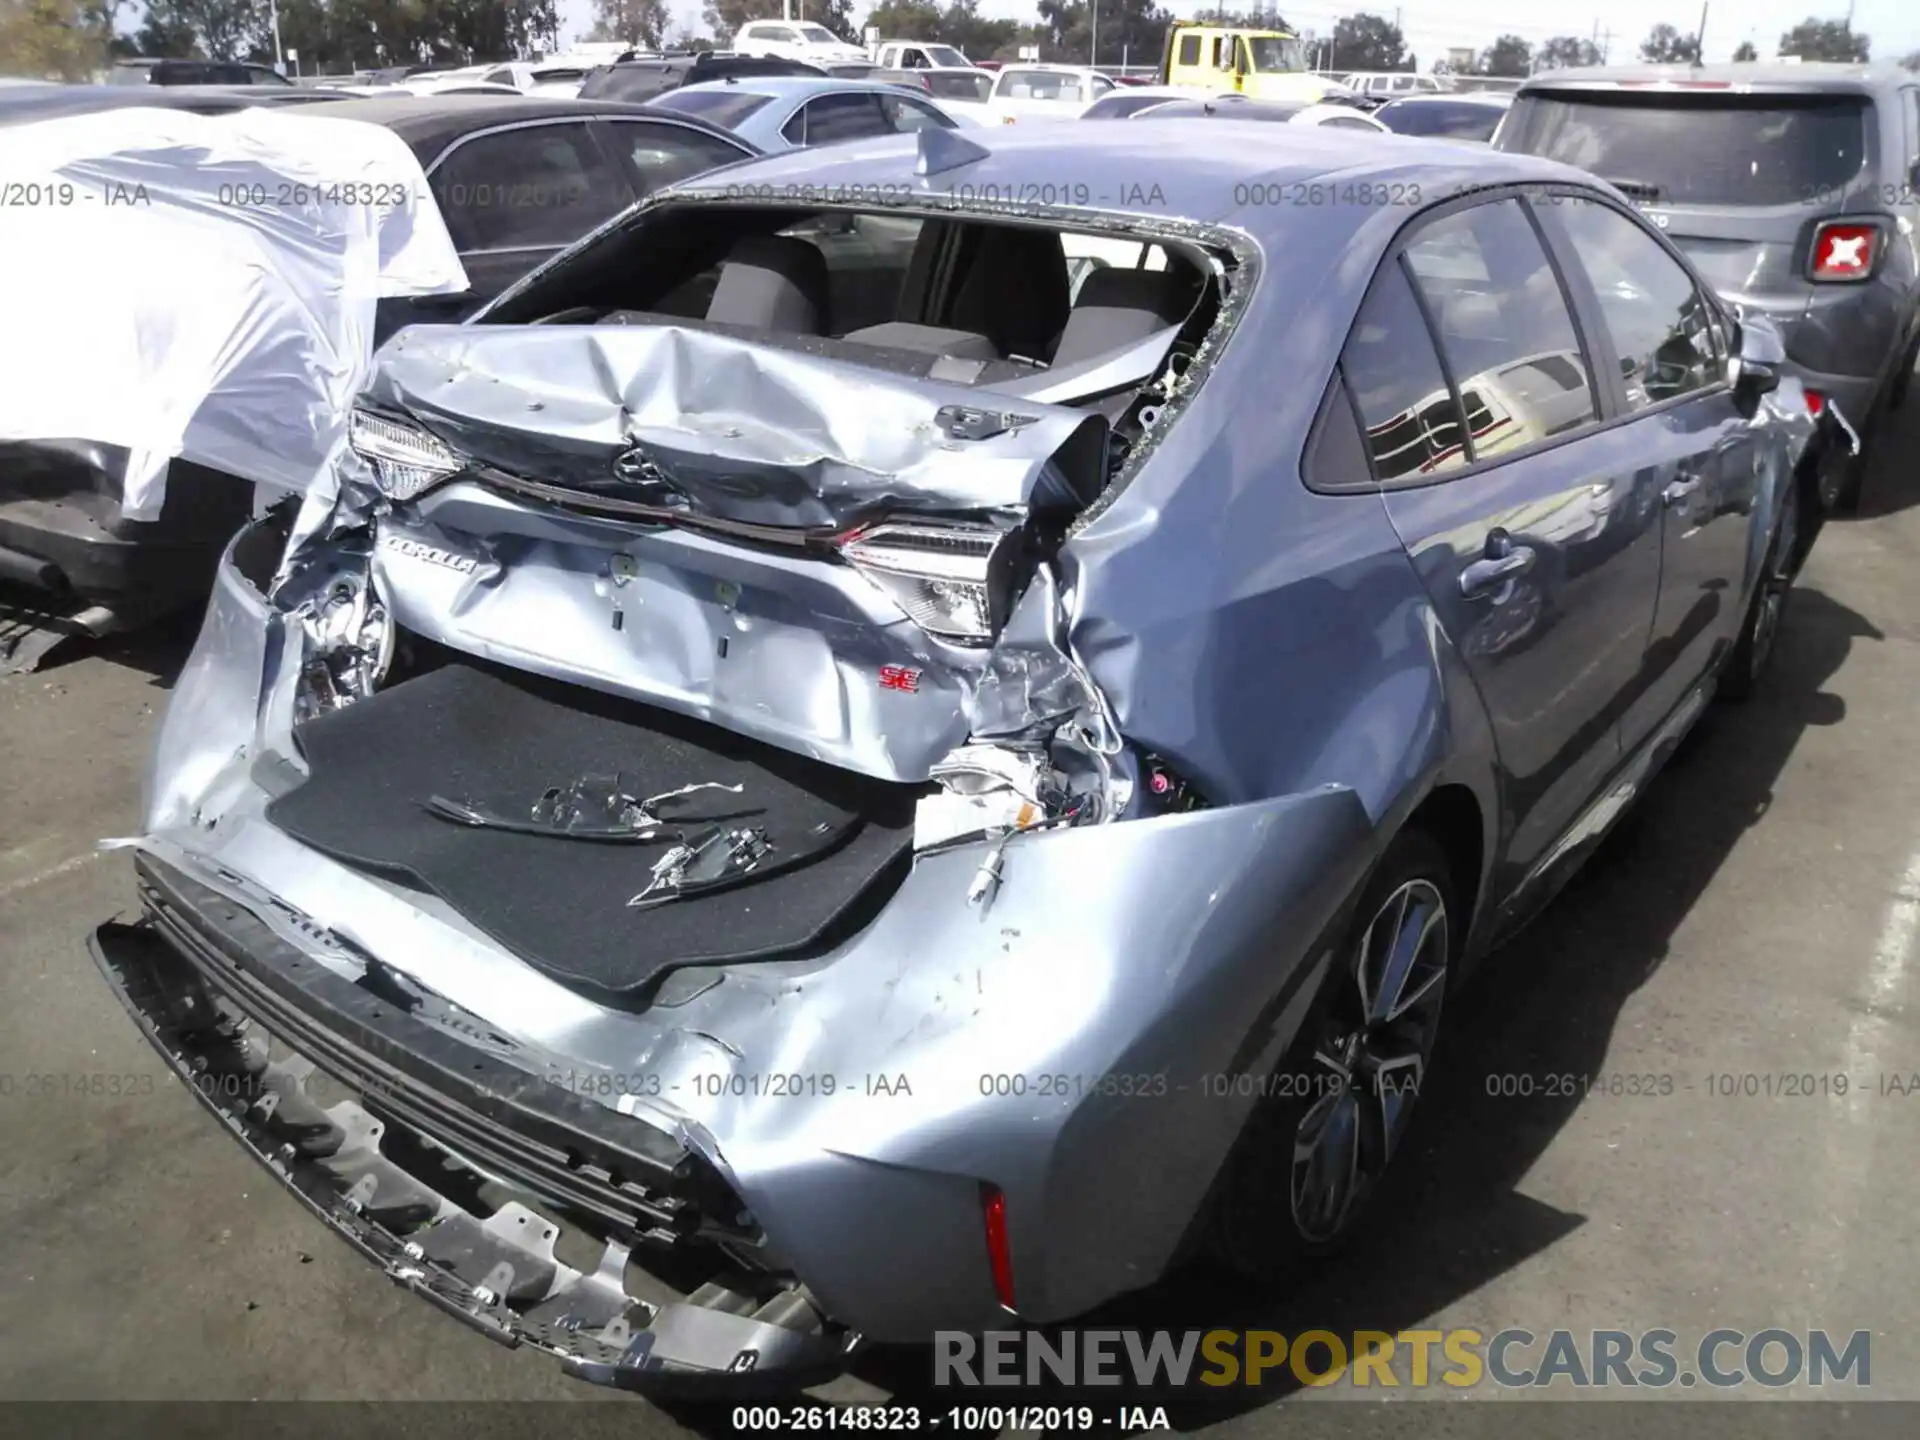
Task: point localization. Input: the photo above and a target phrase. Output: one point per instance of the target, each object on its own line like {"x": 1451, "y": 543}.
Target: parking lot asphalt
{"x": 1755, "y": 916}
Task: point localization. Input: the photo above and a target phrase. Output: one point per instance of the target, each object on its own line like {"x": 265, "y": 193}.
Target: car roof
{"x": 781, "y": 86}
{"x": 427, "y": 122}
{"x": 1811, "y": 77}
{"x": 1497, "y": 98}
{"x": 1221, "y": 108}
{"x": 1186, "y": 169}
{"x": 50, "y": 101}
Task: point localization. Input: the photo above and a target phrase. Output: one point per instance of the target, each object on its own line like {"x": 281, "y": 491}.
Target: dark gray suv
{"x": 1794, "y": 190}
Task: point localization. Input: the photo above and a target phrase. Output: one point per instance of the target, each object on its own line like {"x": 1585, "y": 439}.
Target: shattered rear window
{"x": 976, "y": 300}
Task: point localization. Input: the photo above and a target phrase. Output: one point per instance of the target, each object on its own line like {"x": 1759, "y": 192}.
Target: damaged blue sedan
{"x": 907, "y": 734}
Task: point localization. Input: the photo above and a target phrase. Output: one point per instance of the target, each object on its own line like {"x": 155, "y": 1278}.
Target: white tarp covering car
{"x": 204, "y": 286}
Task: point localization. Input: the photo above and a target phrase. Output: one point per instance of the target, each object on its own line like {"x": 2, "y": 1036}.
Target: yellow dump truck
{"x": 1261, "y": 64}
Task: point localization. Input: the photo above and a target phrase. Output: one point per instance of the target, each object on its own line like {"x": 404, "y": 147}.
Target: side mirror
{"x": 1759, "y": 354}
{"x": 1752, "y": 379}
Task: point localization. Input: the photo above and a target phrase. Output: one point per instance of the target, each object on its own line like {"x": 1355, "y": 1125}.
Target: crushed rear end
{"x": 608, "y": 849}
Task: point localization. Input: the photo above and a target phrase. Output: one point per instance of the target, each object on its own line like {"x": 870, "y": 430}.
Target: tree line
{"x": 71, "y": 39}
{"x": 1371, "y": 42}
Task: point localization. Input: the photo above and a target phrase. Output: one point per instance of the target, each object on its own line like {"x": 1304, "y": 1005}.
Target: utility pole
{"x": 1093, "y": 45}
{"x": 279, "y": 51}
{"x": 1700, "y": 37}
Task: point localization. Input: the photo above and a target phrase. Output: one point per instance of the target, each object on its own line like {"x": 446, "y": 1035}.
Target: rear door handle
{"x": 1480, "y": 576}
{"x": 1680, "y": 489}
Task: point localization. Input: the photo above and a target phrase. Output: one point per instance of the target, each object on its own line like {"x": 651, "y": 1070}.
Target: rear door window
{"x": 909, "y": 115}
{"x": 1413, "y": 429}
{"x": 535, "y": 186}
{"x": 1456, "y": 119}
{"x": 1701, "y": 147}
{"x": 1663, "y": 329}
{"x": 658, "y": 155}
{"x": 1504, "y": 327}
{"x": 832, "y": 118}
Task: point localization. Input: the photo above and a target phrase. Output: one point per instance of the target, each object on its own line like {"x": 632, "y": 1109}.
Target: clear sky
{"x": 1433, "y": 26}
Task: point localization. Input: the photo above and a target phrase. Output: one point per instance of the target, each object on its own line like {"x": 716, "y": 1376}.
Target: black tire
{"x": 1265, "y": 1223}
{"x": 1903, "y": 382}
{"x": 1853, "y": 469}
{"x": 1760, "y": 632}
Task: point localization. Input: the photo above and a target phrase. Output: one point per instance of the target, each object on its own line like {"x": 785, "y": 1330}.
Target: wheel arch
{"x": 1450, "y": 812}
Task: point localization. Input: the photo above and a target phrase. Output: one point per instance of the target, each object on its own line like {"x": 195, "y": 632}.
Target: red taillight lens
{"x": 1816, "y": 402}
{"x": 994, "y": 1206}
{"x": 1844, "y": 251}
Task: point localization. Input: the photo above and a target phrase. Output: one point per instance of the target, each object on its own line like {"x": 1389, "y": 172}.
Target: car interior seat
{"x": 773, "y": 282}
{"x": 1116, "y": 307}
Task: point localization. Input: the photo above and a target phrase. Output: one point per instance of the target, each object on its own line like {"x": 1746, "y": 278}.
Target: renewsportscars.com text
{"x": 1513, "y": 1358}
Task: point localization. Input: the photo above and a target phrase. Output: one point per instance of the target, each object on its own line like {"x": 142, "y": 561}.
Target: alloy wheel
{"x": 1371, "y": 1059}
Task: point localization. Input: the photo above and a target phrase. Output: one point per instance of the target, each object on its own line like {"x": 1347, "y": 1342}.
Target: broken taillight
{"x": 1844, "y": 250}
{"x": 405, "y": 459}
{"x": 942, "y": 574}
{"x": 1816, "y": 402}
{"x": 993, "y": 1205}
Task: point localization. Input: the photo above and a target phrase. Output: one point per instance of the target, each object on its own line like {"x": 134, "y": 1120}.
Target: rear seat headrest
{"x": 773, "y": 282}
{"x": 1116, "y": 307}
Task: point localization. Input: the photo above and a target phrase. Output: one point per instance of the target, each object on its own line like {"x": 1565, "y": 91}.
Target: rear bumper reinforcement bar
{"x": 470, "y": 1181}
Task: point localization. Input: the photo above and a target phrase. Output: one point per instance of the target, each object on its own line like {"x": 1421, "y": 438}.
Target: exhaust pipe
{"x": 24, "y": 569}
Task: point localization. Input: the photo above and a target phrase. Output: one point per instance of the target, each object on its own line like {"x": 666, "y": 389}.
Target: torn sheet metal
{"x": 680, "y": 418}
{"x": 204, "y": 286}
{"x": 603, "y": 808}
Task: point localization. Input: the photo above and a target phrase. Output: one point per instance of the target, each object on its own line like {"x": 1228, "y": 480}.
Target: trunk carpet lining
{"x": 503, "y": 738}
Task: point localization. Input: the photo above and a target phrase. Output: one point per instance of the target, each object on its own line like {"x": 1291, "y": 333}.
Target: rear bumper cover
{"x": 1841, "y": 340}
{"x": 324, "y": 1081}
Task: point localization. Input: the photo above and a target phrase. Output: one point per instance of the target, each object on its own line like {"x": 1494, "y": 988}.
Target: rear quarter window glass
{"x": 1701, "y": 148}
{"x": 1413, "y": 428}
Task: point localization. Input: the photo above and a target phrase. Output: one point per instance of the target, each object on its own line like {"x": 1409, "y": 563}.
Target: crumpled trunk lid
{"x": 686, "y": 419}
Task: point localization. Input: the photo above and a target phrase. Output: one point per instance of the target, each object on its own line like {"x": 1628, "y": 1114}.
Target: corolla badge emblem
{"x": 432, "y": 554}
